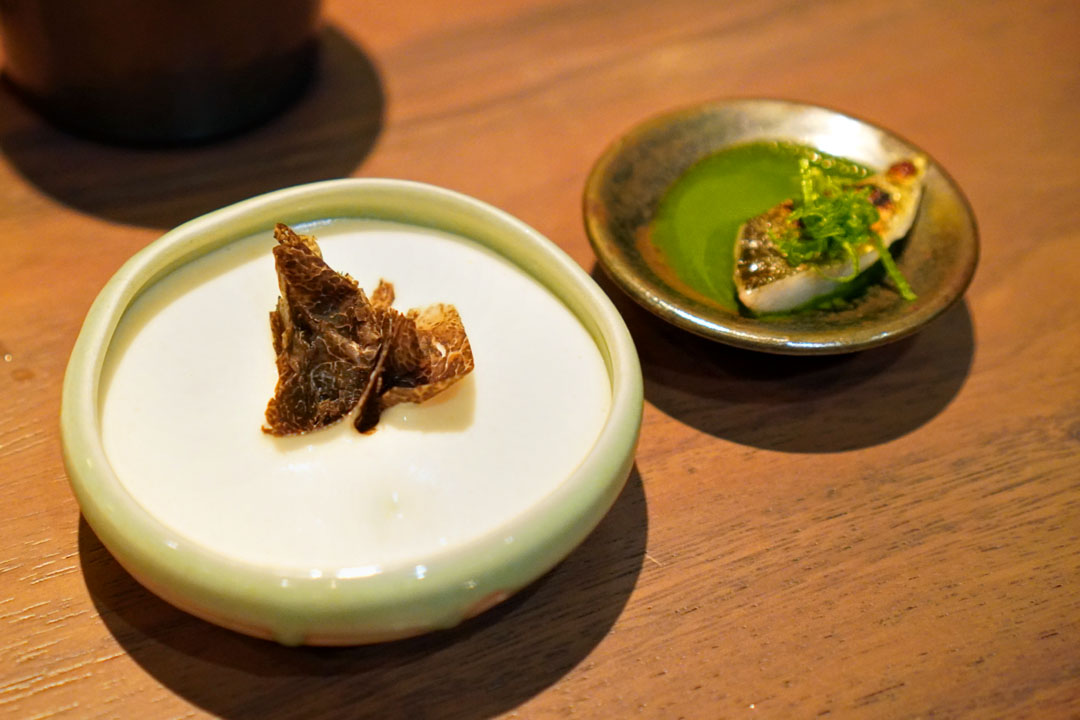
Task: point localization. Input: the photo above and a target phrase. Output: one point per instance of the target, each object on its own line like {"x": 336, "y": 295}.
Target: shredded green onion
{"x": 832, "y": 222}
{"x": 894, "y": 272}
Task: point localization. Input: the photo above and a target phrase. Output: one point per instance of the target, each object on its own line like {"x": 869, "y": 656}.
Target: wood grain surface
{"x": 894, "y": 534}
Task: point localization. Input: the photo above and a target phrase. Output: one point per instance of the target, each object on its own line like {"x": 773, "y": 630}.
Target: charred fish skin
{"x": 767, "y": 283}
{"x": 757, "y": 261}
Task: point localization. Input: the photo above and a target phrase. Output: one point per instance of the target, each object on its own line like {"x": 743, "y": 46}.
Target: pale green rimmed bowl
{"x": 328, "y": 610}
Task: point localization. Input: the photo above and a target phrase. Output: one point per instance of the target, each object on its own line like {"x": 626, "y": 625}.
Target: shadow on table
{"x": 485, "y": 667}
{"x": 325, "y": 134}
{"x": 800, "y": 404}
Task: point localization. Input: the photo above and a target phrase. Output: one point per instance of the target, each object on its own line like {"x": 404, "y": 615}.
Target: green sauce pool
{"x": 691, "y": 243}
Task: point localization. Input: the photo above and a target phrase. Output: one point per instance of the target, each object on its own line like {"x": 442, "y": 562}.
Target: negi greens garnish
{"x": 832, "y": 222}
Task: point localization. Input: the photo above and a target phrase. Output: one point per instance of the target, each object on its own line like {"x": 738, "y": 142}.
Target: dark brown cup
{"x": 158, "y": 71}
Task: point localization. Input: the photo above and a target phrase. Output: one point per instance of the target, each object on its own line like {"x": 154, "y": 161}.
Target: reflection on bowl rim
{"x": 357, "y": 605}
{"x": 747, "y": 332}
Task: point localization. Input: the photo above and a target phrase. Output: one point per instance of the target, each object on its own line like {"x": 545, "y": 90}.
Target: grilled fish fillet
{"x": 767, "y": 283}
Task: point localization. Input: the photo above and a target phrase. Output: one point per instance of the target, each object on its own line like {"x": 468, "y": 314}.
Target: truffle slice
{"x": 327, "y": 338}
{"x": 429, "y": 354}
{"x": 338, "y": 352}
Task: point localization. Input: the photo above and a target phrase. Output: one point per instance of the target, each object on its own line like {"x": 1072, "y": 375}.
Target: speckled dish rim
{"x": 394, "y": 603}
{"x": 750, "y": 333}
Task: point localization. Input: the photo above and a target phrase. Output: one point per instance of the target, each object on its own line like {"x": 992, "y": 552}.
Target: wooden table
{"x": 893, "y": 534}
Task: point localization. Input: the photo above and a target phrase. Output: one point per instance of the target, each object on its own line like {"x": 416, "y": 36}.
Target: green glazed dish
{"x": 307, "y": 608}
{"x": 629, "y": 183}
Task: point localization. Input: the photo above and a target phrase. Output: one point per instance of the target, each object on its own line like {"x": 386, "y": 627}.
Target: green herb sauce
{"x": 693, "y": 233}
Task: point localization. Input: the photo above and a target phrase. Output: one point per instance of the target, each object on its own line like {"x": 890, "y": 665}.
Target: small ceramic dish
{"x": 438, "y": 515}
{"x": 627, "y": 183}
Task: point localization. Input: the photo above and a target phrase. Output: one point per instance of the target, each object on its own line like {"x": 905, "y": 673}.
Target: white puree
{"x": 191, "y": 369}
